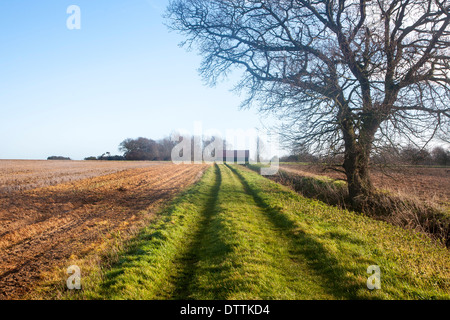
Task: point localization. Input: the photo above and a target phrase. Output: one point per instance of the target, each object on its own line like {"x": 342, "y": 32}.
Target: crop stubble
{"x": 41, "y": 227}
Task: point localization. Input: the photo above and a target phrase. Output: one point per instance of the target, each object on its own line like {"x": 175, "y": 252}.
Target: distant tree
{"x": 386, "y": 155}
{"x": 58, "y": 158}
{"x": 300, "y": 155}
{"x": 197, "y": 148}
{"x": 207, "y": 141}
{"x": 213, "y": 146}
{"x": 161, "y": 150}
{"x": 90, "y": 158}
{"x": 416, "y": 156}
{"x": 305, "y": 155}
{"x": 140, "y": 149}
{"x": 259, "y": 149}
{"x": 343, "y": 75}
{"x": 165, "y": 149}
{"x": 441, "y": 156}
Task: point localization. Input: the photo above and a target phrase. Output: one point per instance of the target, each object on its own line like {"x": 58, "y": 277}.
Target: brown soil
{"x": 43, "y": 227}
{"x": 30, "y": 174}
{"x": 426, "y": 184}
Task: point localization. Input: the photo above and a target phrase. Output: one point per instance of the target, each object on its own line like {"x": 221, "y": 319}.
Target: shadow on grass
{"x": 407, "y": 213}
{"x": 139, "y": 252}
{"x": 185, "y": 281}
{"x": 318, "y": 258}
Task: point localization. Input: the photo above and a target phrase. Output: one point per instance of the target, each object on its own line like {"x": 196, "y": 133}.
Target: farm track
{"x": 190, "y": 260}
{"x": 238, "y": 236}
{"x": 276, "y": 242}
{"x": 43, "y": 227}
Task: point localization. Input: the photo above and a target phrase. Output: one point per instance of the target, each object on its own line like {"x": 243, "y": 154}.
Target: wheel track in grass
{"x": 305, "y": 251}
{"x": 271, "y": 245}
{"x": 229, "y": 249}
{"x": 238, "y": 252}
{"x": 189, "y": 261}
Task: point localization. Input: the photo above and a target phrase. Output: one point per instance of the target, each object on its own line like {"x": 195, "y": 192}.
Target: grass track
{"x": 236, "y": 235}
{"x": 247, "y": 255}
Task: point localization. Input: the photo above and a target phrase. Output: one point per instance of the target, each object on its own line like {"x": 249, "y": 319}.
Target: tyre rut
{"x": 186, "y": 277}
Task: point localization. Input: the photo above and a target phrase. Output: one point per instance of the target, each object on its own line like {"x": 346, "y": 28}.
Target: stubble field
{"x": 51, "y": 211}
{"x": 428, "y": 184}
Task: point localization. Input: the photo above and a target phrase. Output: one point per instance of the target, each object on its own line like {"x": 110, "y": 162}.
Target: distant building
{"x": 235, "y": 156}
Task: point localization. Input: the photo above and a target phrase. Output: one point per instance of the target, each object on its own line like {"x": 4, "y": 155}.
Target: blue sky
{"x": 79, "y": 93}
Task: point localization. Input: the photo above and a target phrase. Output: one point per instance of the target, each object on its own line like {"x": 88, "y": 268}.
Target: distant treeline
{"x": 106, "y": 157}
{"x": 140, "y": 149}
{"x": 144, "y": 149}
{"x": 58, "y": 158}
{"x": 412, "y": 155}
{"x": 438, "y": 156}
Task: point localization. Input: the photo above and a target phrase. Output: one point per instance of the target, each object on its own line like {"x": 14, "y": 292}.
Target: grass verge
{"x": 340, "y": 245}
{"x": 408, "y": 213}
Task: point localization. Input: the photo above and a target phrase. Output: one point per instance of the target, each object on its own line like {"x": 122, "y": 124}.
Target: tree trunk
{"x": 356, "y": 166}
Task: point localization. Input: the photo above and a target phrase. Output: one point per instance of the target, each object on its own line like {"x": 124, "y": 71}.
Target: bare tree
{"x": 140, "y": 149}
{"x": 342, "y": 74}
{"x": 441, "y": 156}
{"x": 165, "y": 149}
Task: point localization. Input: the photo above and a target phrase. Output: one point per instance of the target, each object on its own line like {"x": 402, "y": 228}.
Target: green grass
{"x": 237, "y": 235}
{"x": 246, "y": 255}
{"x": 343, "y": 244}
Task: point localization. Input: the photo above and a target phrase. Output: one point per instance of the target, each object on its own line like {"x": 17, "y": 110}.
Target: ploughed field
{"x": 25, "y": 174}
{"x": 429, "y": 184}
{"x": 53, "y": 210}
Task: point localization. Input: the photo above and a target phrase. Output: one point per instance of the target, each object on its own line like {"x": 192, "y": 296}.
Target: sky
{"x": 80, "y": 92}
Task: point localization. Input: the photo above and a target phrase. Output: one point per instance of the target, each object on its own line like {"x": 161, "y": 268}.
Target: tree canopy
{"x": 344, "y": 75}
